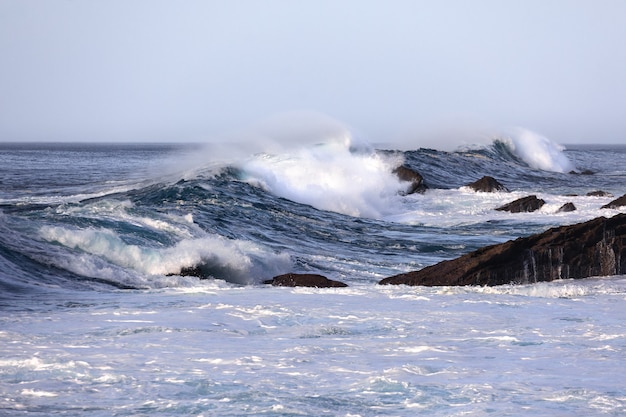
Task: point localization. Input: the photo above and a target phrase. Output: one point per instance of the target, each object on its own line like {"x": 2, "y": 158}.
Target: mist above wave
{"x": 313, "y": 159}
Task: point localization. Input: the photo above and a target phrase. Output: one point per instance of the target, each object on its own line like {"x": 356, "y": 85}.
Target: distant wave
{"x": 536, "y": 150}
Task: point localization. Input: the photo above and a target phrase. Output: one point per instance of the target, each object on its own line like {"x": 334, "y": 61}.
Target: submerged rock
{"x": 487, "y": 184}
{"x": 583, "y": 172}
{"x": 593, "y": 248}
{"x": 304, "y": 280}
{"x": 617, "y": 203}
{"x": 407, "y": 174}
{"x": 524, "y": 204}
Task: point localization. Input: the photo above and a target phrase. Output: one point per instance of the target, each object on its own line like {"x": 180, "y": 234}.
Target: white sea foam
{"x": 39, "y": 393}
{"x": 555, "y": 289}
{"x": 537, "y": 151}
{"x": 445, "y": 208}
{"x": 358, "y": 351}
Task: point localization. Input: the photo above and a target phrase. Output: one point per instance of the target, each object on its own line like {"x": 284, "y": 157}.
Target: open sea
{"x": 95, "y": 319}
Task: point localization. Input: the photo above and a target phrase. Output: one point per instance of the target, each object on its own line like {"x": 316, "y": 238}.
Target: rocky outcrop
{"x": 487, "y": 184}
{"x": 191, "y": 271}
{"x": 304, "y": 280}
{"x": 599, "y": 193}
{"x": 583, "y": 172}
{"x": 407, "y": 174}
{"x": 566, "y": 208}
{"x": 617, "y": 203}
{"x": 593, "y": 248}
{"x": 524, "y": 204}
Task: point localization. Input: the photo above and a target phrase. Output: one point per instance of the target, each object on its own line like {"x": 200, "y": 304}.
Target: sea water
{"x": 96, "y": 320}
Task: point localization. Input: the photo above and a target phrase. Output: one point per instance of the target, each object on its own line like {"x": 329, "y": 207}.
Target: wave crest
{"x": 536, "y": 150}
{"x": 236, "y": 261}
{"x": 333, "y": 176}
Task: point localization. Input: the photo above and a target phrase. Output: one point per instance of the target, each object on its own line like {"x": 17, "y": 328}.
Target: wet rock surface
{"x": 523, "y": 205}
{"x": 593, "y": 248}
{"x": 617, "y": 203}
{"x": 487, "y": 184}
{"x": 599, "y": 193}
{"x": 566, "y": 208}
{"x": 417, "y": 184}
{"x": 304, "y": 280}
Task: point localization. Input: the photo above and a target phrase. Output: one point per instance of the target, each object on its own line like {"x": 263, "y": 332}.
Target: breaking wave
{"x": 236, "y": 261}
{"x": 332, "y": 176}
{"x": 536, "y": 150}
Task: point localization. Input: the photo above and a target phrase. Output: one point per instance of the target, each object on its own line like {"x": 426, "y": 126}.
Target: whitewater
{"x": 96, "y": 318}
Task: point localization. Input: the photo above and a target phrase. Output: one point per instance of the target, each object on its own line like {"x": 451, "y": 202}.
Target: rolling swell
{"x": 237, "y": 232}
{"x": 234, "y": 225}
{"x": 455, "y": 169}
{"x": 316, "y": 240}
{"x": 29, "y": 265}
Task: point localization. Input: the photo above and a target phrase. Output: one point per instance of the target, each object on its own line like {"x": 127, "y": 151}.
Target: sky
{"x": 198, "y": 70}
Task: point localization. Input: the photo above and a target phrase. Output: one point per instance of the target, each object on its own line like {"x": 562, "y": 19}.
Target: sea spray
{"x": 280, "y": 134}
{"x": 307, "y": 157}
{"x": 332, "y": 176}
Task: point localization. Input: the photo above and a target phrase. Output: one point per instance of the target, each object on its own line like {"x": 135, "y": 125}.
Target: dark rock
{"x": 524, "y": 204}
{"x": 584, "y": 172}
{"x": 567, "y": 207}
{"x": 487, "y": 185}
{"x": 407, "y": 174}
{"x": 212, "y": 270}
{"x": 617, "y": 203}
{"x": 599, "y": 193}
{"x": 191, "y": 271}
{"x": 304, "y": 280}
{"x": 593, "y": 248}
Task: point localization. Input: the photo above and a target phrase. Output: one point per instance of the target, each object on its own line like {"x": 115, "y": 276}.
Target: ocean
{"x": 96, "y": 320}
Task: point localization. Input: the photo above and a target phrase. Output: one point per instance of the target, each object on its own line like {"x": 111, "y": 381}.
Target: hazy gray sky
{"x": 193, "y": 70}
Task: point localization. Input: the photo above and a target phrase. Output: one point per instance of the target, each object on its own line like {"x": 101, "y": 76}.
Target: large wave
{"x": 329, "y": 176}
{"x": 312, "y": 159}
